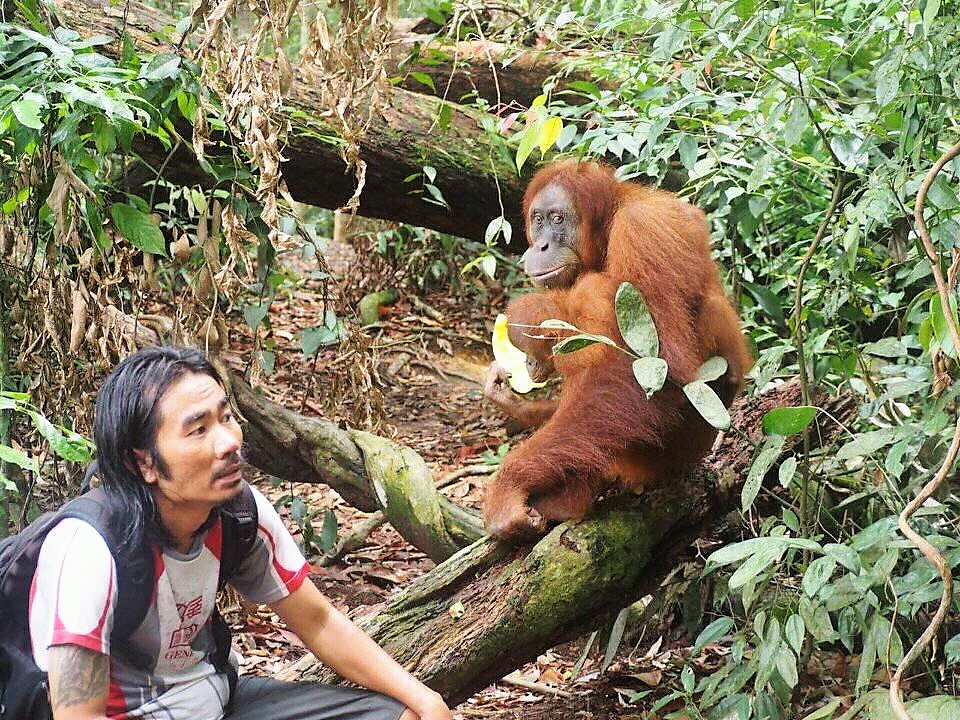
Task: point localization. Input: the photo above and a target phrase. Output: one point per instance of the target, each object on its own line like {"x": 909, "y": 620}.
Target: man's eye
{"x": 200, "y": 430}
{"x": 228, "y": 417}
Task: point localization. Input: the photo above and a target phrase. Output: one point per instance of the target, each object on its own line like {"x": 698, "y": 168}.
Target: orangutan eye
{"x": 557, "y": 219}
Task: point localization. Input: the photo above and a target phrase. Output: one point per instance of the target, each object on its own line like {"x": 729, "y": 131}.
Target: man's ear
{"x": 145, "y": 464}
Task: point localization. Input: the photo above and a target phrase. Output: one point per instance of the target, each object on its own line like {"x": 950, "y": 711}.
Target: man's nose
{"x": 227, "y": 441}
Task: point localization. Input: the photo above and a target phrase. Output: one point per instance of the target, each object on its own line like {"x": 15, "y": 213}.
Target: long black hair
{"x": 128, "y": 418}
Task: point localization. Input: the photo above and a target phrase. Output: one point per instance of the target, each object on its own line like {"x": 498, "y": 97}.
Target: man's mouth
{"x": 230, "y": 476}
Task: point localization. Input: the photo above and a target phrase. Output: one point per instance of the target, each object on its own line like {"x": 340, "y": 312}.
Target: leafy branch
{"x": 643, "y": 344}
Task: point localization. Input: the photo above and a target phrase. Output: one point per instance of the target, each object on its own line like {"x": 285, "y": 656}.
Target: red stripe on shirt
{"x": 214, "y": 539}
{"x": 93, "y": 640}
{"x": 116, "y": 702}
{"x": 292, "y": 579}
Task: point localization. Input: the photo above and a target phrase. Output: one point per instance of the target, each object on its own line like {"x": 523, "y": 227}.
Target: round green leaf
{"x": 688, "y": 151}
{"x": 705, "y": 400}
{"x": 712, "y": 368}
{"x": 786, "y": 664}
{"x": 794, "y": 632}
{"x": 888, "y": 81}
{"x": 788, "y": 420}
{"x": 315, "y": 337}
{"x": 635, "y": 323}
{"x": 254, "y": 314}
{"x": 651, "y": 373}
{"x": 27, "y": 110}
{"x": 328, "y": 534}
{"x": 788, "y": 469}
{"x": 817, "y": 574}
{"x": 138, "y": 227}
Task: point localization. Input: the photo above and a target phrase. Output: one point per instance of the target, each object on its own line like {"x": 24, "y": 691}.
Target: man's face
{"x": 199, "y": 442}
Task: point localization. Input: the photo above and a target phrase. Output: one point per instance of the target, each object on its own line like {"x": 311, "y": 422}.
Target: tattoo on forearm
{"x": 77, "y": 675}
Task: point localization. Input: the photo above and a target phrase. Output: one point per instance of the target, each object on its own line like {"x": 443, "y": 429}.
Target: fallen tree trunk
{"x": 492, "y": 71}
{"x": 474, "y": 168}
{"x": 369, "y": 472}
{"x": 491, "y": 608}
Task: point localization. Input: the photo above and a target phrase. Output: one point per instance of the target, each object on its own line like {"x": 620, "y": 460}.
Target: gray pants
{"x": 260, "y": 698}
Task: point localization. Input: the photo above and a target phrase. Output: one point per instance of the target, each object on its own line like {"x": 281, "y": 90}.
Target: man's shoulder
{"x": 77, "y": 535}
{"x": 74, "y": 544}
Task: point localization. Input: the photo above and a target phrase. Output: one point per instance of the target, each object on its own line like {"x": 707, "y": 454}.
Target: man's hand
{"x": 433, "y": 708}
{"x": 343, "y": 646}
{"x": 79, "y": 679}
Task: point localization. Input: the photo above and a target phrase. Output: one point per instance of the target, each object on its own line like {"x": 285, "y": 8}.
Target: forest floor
{"x": 430, "y": 359}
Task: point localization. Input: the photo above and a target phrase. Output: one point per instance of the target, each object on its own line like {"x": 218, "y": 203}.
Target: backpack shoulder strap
{"x": 18, "y": 562}
{"x": 239, "y": 522}
{"x": 135, "y": 581}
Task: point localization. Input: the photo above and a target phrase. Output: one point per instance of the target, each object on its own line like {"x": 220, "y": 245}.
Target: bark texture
{"x": 475, "y": 170}
{"x": 495, "y": 72}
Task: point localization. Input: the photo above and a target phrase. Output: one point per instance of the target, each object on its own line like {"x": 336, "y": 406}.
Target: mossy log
{"x": 474, "y": 169}
{"x": 369, "y": 472}
{"x": 490, "y": 608}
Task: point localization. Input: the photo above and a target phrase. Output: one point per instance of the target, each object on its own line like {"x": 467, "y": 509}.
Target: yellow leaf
{"x": 511, "y": 358}
{"x": 772, "y": 38}
{"x": 549, "y": 133}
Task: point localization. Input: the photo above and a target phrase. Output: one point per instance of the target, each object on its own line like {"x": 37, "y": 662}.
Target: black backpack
{"x": 23, "y": 686}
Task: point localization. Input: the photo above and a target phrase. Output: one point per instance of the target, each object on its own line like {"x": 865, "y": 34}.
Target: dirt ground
{"x": 430, "y": 356}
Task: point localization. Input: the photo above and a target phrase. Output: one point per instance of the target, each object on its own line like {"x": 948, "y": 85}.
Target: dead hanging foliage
{"x": 250, "y": 92}
{"x": 349, "y": 73}
{"x": 60, "y": 300}
{"x": 244, "y": 65}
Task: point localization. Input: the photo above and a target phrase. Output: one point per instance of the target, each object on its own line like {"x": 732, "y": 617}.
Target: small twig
{"x": 424, "y": 308}
{"x": 454, "y": 476}
{"x": 928, "y": 550}
{"x": 429, "y": 366}
{"x": 355, "y": 539}
{"x": 517, "y": 681}
{"x": 798, "y": 334}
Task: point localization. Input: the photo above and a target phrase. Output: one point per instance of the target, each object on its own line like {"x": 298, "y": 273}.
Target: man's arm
{"x": 343, "y": 646}
{"x": 78, "y": 679}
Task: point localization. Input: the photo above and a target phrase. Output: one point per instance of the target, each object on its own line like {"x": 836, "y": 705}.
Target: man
{"x": 168, "y": 450}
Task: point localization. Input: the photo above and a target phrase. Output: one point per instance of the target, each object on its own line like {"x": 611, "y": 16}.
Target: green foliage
{"x": 63, "y": 442}
{"x": 60, "y": 92}
{"x": 639, "y": 333}
{"x": 760, "y": 112}
{"x": 305, "y": 519}
{"x": 424, "y": 260}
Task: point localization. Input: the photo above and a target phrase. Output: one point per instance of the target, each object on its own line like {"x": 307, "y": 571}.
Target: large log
{"x": 474, "y": 168}
{"x": 491, "y": 608}
{"x": 495, "y": 72}
{"x": 369, "y": 472}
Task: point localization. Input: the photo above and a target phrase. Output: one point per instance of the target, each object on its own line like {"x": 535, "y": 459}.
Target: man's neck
{"x": 181, "y": 521}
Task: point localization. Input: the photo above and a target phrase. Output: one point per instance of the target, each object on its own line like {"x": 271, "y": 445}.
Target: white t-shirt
{"x": 164, "y": 672}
